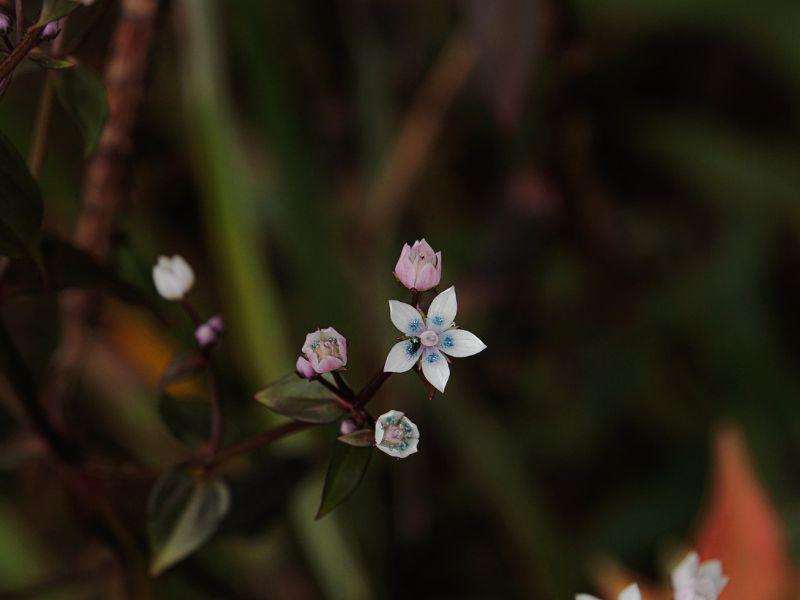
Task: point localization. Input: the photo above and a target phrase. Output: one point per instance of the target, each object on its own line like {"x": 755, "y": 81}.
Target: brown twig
{"x": 257, "y": 441}
{"x": 20, "y": 51}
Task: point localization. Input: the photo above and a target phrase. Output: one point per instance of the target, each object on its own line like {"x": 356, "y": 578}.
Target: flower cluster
{"x": 691, "y": 580}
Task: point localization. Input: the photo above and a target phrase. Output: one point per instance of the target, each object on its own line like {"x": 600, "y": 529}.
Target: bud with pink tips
{"x": 324, "y": 350}
{"x": 419, "y": 267}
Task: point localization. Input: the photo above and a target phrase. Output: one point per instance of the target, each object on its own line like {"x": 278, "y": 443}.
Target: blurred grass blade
{"x": 83, "y": 96}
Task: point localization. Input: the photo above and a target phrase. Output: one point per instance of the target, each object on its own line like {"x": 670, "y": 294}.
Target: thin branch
{"x": 257, "y": 441}
{"x": 20, "y": 51}
{"x": 20, "y": 18}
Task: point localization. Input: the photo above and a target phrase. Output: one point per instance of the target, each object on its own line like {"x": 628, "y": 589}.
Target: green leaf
{"x": 183, "y": 366}
{"x": 55, "y": 9}
{"x": 361, "y": 437}
{"x": 187, "y": 419}
{"x": 184, "y": 511}
{"x": 48, "y": 62}
{"x": 83, "y": 96}
{"x": 20, "y": 205}
{"x": 301, "y": 400}
{"x": 345, "y": 472}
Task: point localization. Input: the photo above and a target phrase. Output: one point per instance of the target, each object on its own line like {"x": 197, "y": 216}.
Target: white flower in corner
{"x": 629, "y": 593}
{"x": 396, "y": 434}
{"x": 173, "y": 277}
{"x": 429, "y": 338}
{"x": 694, "y": 581}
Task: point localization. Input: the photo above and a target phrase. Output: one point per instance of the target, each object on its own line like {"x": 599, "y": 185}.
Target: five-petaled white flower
{"x": 173, "y": 277}
{"x": 629, "y": 593}
{"x": 694, "y": 581}
{"x": 429, "y": 339}
{"x": 396, "y": 434}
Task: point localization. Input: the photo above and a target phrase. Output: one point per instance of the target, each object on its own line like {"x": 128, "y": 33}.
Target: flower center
{"x": 326, "y": 348}
{"x": 429, "y": 338}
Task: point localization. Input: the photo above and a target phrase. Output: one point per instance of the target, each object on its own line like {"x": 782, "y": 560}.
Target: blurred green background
{"x": 614, "y": 187}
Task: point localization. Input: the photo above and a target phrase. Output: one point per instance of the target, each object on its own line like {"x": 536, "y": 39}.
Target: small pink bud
{"x": 50, "y": 31}
{"x": 210, "y": 332}
{"x": 5, "y": 24}
{"x": 304, "y": 368}
{"x": 326, "y": 350}
{"x": 217, "y": 324}
{"x": 347, "y": 427}
{"x": 419, "y": 267}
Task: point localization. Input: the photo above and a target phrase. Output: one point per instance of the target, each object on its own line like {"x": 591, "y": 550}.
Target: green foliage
{"x": 345, "y": 472}
{"x": 55, "y": 9}
{"x": 46, "y": 61}
{"x": 187, "y": 419}
{"x": 301, "y": 400}
{"x": 182, "y": 367}
{"x": 360, "y": 437}
{"x": 184, "y": 511}
{"x": 83, "y": 96}
{"x": 20, "y": 205}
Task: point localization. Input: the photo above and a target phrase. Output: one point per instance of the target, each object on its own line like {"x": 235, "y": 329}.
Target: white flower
{"x": 396, "y": 434}
{"x": 694, "y": 581}
{"x": 629, "y": 593}
{"x": 173, "y": 277}
{"x": 428, "y": 338}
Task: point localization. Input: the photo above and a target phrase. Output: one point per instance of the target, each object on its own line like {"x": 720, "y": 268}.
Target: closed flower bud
{"x": 326, "y": 350}
{"x": 50, "y": 31}
{"x": 347, "y": 427}
{"x": 173, "y": 277}
{"x": 304, "y": 368}
{"x": 396, "y": 434}
{"x": 5, "y": 24}
{"x": 419, "y": 267}
{"x": 210, "y": 332}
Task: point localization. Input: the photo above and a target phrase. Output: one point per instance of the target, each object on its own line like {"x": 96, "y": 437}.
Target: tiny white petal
{"x": 685, "y": 572}
{"x": 402, "y": 357}
{"x": 442, "y": 311}
{"x": 173, "y": 277}
{"x": 435, "y": 369}
{"x": 460, "y": 343}
{"x": 586, "y": 597}
{"x": 630, "y": 593}
{"x": 406, "y": 318}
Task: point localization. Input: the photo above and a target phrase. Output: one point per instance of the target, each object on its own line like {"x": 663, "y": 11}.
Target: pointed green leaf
{"x": 83, "y": 96}
{"x": 187, "y": 419}
{"x": 182, "y": 367}
{"x": 55, "y": 9}
{"x": 184, "y": 511}
{"x": 345, "y": 472}
{"x": 20, "y": 205}
{"x": 360, "y": 437}
{"x": 300, "y": 399}
{"x": 48, "y": 62}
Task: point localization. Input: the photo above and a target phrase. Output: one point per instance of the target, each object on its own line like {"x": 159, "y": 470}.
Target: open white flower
{"x": 396, "y": 434}
{"x": 173, "y": 277}
{"x": 629, "y": 593}
{"x": 429, "y": 338}
{"x": 694, "y": 581}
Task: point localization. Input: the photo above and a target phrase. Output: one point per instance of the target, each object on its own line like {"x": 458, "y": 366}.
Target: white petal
{"x": 402, "y": 357}
{"x": 442, "y": 312}
{"x": 586, "y": 597}
{"x": 460, "y": 343}
{"x": 406, "y": 318}
{"x": 630, "y": 593}
{"x": 435, "y": 369}
{"x": 183, "y": 273}
{"x": 684, "y": 573}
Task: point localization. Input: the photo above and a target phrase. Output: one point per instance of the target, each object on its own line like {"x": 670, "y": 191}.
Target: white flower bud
{"x": 173, "y": 277}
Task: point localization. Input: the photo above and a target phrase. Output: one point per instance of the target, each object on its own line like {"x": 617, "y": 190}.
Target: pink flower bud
{"x": 347, "y": 427}
{"x": 50, "y": 31}
{"x": 5, "y": 24}
{"x": 326, "y": 350}
{"x": 210, "y": 332}
{"x": 304, "y": 368}
{"x": 419, "y": 267}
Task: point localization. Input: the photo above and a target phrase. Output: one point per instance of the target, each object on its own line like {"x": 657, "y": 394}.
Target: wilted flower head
{"x": 50, "y": 31}
{"x": 173, "y": 277}
{"x": 5, "y": 23}
{"x": 326, "y": 350}
{"x": 396, "y": 435}
{"x": 419, "y": 267}
{"x": 209, "y": 332}
{"x": 694, "y": 581}
{"x": 429, "y": 338}
{"x": 629, "y": 593}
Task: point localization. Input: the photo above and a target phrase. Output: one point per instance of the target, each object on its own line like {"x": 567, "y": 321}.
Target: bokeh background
{"x": 614, "y": 188}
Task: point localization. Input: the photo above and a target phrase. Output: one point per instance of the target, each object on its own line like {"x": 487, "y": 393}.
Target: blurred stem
{"x": 369, "y": 390}
{"x": 343, "y": 385}
{"x": 20, "y": 51}
{"x": 228, "y": 194}
{"x": 23, "y": 383}
{"x": 43, "y": 113}
{"x": 20, "y": 17}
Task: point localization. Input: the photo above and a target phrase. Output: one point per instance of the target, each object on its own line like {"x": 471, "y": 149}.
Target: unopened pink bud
{"x": 304, "y": 368}
{"x": 419, "y": 267}
{"x": 50, "y": 31}
{"x": 5, "y": 24}
{"x": 217, "y": 324}
{"x": 347, "y": 427}
{"x": 210, "y": 332}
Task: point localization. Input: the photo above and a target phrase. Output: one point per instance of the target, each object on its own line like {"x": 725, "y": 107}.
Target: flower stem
{"x": 414, "y": 298}
{"x": 368, "y": 391}
{"x": 20, "y": 51}
{"x": 254, "y": 443}
{"x": 343, "y": 386}
{"x": 20, "y": 17}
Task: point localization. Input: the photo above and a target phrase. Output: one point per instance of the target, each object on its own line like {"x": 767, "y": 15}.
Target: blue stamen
{"x": 414, "y": 325}
{"x": 448, "y": 342}
{"x": 438, "y": 320}
{"x": 432, "y": 358}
